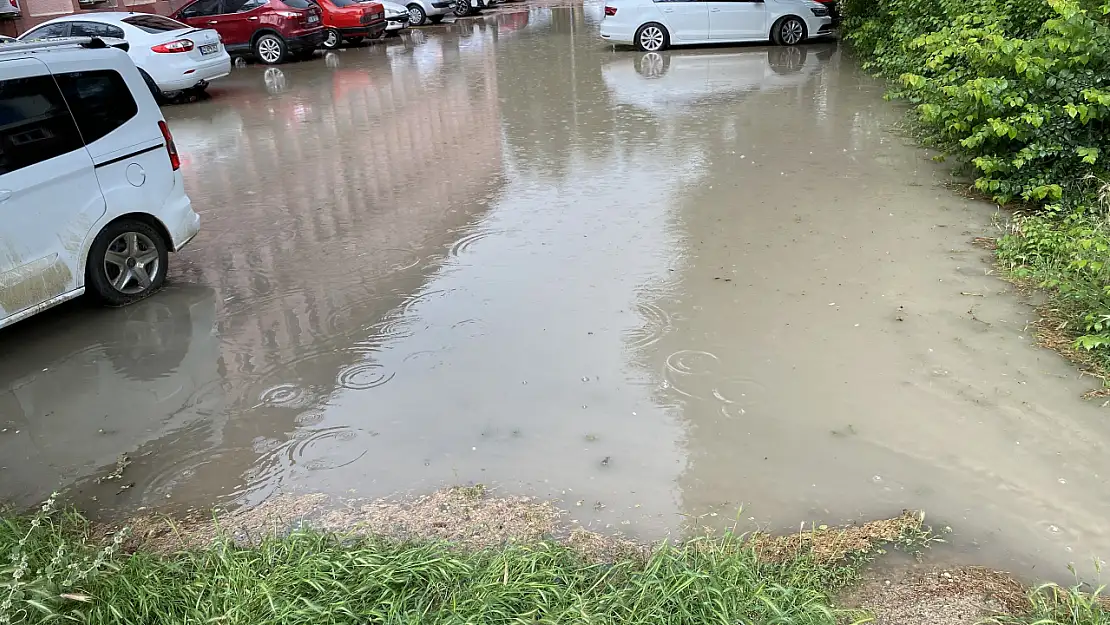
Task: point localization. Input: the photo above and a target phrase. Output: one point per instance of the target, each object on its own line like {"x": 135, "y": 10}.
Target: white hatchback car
{"x": 172, "y": 56}
{"x": 90, "y": 193}
{"x": 654, "y": 25}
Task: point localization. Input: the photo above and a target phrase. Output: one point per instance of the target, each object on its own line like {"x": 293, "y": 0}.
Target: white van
{"x": 90, "y": 193}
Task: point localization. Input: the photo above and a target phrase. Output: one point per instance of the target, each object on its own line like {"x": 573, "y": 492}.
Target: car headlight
{"x": 819, "y": 11}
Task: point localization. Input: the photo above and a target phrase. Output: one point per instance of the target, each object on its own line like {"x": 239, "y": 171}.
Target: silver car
{"x": 423, "y": 12}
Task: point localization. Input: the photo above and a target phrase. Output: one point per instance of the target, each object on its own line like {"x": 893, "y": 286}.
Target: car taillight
{"x": 171, "y": 147}
{"x": 181, "y": 45}
{"x": 610, "y": 11}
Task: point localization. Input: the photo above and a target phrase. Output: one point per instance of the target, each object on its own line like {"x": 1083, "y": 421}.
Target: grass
{"x": 58, "y": 572}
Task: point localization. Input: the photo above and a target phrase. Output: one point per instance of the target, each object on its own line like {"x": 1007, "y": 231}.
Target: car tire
{"x": 127, "y": 262}
{"x": 417, "y": 16}
{"x": 436, "y": 19}
{"x": 159, "y": 97}
{"x": 270, "y": 49}
{"x": 789, "y": 31}
{"x": 463, "y": 8}
{"x": 332, "y": 40}
{"x": 652, "y": 37}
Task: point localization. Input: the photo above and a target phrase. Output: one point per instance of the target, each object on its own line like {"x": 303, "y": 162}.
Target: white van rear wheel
{"x": 127, "y": 262}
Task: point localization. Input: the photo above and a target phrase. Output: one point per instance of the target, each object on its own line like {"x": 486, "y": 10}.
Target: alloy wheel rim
{"x": 131, "y": 263}
{"x": 415, "y": 17}
{"x": 651, "y": 38}
{"x": 331, "y": 40}
{"x": 792, "y": 31}
{"x": 269, "y": 50}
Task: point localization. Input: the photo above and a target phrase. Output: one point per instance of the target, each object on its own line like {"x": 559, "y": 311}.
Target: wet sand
{"x": 656, "y": 288}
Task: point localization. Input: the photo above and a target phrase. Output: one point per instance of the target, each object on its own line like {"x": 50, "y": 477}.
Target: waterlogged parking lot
{"x": 655, "y": 287}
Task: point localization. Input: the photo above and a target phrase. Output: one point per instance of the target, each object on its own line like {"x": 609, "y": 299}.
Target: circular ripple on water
{"x": 326, "y": 449}
{"x": 363, "y": 376}
{"x": 414, "y": 302}
{"x": 404, "y": 259}
{"x": 286, "y": 395}
{"x": 691, "y": 373}
{"x": 306, "y": 419}
{"x": 463, "y": 244}
{"x": 656, "y": 323}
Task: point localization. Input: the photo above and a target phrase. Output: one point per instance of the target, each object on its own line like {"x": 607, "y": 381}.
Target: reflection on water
{"x": 653, "y": 286}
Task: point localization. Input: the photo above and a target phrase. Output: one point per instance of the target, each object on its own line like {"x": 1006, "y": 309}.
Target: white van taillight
{"x": 171, "y": 147}
{"x": 181, "y": 45}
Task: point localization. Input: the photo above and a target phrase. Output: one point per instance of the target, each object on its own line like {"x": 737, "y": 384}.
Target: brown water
{"x": 653, "y": 287}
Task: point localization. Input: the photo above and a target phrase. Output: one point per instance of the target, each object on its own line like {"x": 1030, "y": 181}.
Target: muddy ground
{"x": 656, "y": 289}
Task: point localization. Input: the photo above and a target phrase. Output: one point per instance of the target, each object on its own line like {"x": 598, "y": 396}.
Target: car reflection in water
{"x": 64, "y": 377}
{"x": 663, "y": 82}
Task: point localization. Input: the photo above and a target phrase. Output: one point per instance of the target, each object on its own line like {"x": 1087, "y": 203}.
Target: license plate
{"x": 312, "y": 19}
{"x": 210, "y": 48}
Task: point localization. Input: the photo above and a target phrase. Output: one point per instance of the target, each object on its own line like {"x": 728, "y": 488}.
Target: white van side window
{"x": 35, "y": 124}
{"x": 100, "y": 101}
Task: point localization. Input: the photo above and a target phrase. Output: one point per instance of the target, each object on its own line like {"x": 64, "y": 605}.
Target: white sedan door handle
{"x": 5, "y": 195}
{"x": 715, "y": 10}
{"x": 668, "y": 10}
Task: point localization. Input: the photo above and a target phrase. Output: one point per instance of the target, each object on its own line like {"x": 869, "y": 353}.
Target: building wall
{"x": 34, "y": 12}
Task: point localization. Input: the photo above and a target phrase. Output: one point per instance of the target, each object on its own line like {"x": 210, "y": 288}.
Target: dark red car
{"x": 271, "y": 30}
{"x": 348, "y": 20}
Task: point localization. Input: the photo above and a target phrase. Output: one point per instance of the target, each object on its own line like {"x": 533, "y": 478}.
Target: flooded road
{"x": 654, "y": 287}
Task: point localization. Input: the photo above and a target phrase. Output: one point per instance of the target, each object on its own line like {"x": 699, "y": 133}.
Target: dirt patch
{"x": 472, "y": 518}
{"x": 937, "y": 597}
{"x": 467, "y": 516}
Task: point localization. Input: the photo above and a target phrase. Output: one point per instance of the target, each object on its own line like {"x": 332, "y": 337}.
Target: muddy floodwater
{"x": 653, "y": 287}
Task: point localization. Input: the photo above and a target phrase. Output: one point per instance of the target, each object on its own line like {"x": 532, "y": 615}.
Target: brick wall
{"x": 35, "y": 12}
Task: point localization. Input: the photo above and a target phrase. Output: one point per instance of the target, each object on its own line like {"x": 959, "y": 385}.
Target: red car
{"x": 272, "y": 30}
{"x": 348, "y": 20}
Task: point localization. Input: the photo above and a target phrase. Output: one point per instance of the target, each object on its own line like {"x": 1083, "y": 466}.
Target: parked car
{"x": 652, "y": 26}
{"x": 89, "y": 183}
{"x": 463, "y": 8}
{"x": 171, "y": 56}
{"x": 396, "y": 16}
{"x": 350, "y": 20}
{"x": 422, "y": 12}
{"x": 273, "y": 31}
{"x": 6, "y": 39}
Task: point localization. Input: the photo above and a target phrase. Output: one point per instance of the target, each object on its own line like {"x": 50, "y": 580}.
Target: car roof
{"x": 72, "y": 48}
{"x": 111, "y": 17}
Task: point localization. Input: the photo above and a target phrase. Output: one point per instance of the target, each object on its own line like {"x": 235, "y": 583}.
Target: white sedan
{"x": 171, "y": 56}
{"x": 653, "y": 26}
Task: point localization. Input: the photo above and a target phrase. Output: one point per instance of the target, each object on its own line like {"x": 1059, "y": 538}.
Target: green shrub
{"x": 1018, "y": 91}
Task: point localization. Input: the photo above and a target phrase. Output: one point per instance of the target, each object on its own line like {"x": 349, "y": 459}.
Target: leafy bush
{"x": 1019, "y": 92}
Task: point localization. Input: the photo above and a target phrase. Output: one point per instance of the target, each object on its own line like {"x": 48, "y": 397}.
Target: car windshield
{"x": 343, "y": 3}
{"x": 154, "y": 23}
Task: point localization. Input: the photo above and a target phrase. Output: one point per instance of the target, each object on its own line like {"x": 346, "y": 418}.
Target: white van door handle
{"x": 5, "y": 195}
